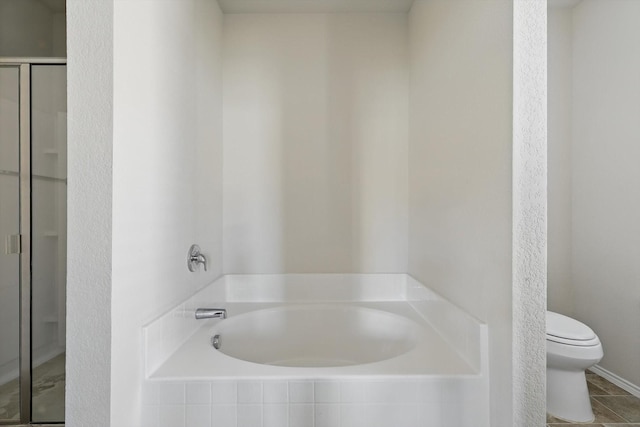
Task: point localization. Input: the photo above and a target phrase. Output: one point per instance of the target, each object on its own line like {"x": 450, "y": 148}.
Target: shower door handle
{"x": 13, "y": 244}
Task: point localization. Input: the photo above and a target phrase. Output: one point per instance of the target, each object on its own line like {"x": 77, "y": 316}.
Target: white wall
{"x": 91, "y": 33}
{"x": 315, "y": 131}
{"x": 324, "y": 6}
{"x": 606, "y": 178}
{"x": 167, "y": 178}
{"x": 460, "y": 159}
{"x": 594, "y": 238}
{"x": 560, "y": 35}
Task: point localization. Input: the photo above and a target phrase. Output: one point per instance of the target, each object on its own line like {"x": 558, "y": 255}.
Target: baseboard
{"x": 617, "y": 380}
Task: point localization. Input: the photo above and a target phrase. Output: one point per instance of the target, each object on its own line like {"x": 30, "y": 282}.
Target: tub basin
{"x": 316, "y": 336}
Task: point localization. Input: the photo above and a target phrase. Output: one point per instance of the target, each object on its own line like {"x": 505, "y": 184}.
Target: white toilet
{"x": 572, "y": 347}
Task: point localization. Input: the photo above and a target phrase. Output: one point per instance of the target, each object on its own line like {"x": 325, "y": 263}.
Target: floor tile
{"x": 627, "y": 407}
{"x": 575, "y": 425}
{"x": 554, "y": 421}
{"x": 9, "y": 401}
{"x": 604, "y": 414}
{"x": 48, "y": 393}
{"x": 595, "y": 390}
{"x": 612, "y": 406}
{"x": 601, "y": 412}
{"x": 607, "y": 386}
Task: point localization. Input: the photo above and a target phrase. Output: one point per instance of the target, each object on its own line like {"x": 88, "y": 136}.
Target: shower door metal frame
{"x": 25, "y": 378}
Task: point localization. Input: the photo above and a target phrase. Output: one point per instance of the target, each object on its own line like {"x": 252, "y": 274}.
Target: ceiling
{"x": 313, "y": 6}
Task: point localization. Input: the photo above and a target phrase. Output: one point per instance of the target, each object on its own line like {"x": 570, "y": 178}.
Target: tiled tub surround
{"x": 442, "y": 383}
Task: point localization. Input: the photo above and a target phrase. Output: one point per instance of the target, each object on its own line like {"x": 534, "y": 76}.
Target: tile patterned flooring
{"x": 612, "y": 406}
{"x": 48, "y": 393}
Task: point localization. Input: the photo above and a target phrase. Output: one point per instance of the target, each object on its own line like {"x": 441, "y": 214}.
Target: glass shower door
{"x": 48, "y": 240}
{"x": 9, "y": 243}
{"x": 33, "y": 195}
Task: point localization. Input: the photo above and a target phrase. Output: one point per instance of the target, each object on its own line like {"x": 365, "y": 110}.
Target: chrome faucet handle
{"x": 211, "y": 313}
{"x": 194, "y": 257}
{"x": 201, "y": 259}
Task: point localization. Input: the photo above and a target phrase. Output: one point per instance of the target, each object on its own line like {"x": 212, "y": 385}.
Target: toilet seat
{"x": 575, "y": 343}
{"x": 565, "y": 330}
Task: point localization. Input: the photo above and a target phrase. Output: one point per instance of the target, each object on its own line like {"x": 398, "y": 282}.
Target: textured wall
{"x": 90, "y": 137}
{"x": 315, "y": 135}
{"x": 460, "y": 157}
{"x": 529, "y": 212}
{"x": 167, "y": 177}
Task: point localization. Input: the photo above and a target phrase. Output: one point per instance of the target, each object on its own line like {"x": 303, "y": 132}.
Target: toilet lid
{"x": 565, "y": 330}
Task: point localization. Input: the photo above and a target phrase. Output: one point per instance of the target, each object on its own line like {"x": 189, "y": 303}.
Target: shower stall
{"x": 33, "y": 231}
{"x": 33, "y": 199}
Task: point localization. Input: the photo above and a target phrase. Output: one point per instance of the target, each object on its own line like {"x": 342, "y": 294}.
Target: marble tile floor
{"x": 48, "y": 393}
{"x": 612, "y": 406}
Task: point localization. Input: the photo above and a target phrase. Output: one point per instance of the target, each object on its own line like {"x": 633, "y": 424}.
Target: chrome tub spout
{"x": 211, "y": 313}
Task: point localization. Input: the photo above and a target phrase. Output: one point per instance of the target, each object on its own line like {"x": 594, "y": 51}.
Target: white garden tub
{"x": 345, "y": 350}
{"x": 316, "y": 326}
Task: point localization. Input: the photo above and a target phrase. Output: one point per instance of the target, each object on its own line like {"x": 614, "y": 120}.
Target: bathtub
{"x": 351, "y": 350}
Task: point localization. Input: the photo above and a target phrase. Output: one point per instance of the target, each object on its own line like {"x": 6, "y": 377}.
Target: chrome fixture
{"x": 13, "y": 243}
{"x": 194, "y": 257}
{"x": 211, "y": 313}
{"x": 215, "y": 341}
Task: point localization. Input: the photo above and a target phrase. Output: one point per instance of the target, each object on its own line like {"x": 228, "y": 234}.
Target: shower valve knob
{"x": 195, "y": 257}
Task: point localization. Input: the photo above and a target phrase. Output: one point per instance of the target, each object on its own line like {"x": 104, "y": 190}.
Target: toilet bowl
{"x": 572, "y": 347}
